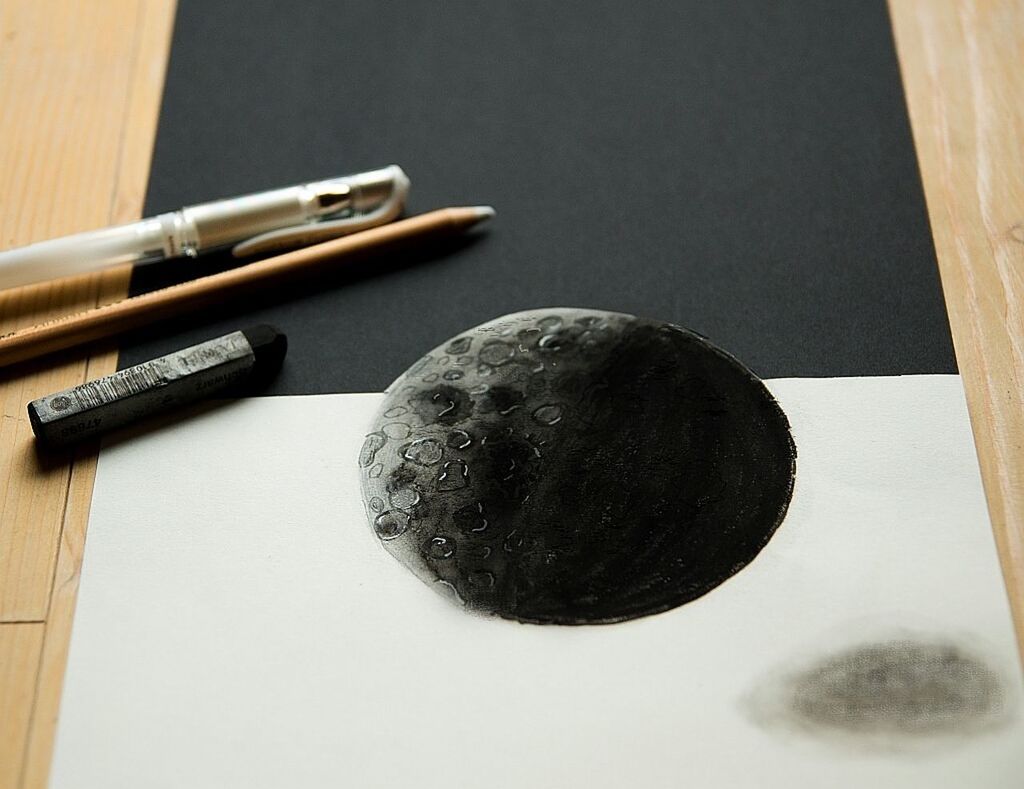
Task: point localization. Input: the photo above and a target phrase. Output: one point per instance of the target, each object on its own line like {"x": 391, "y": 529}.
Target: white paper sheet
{"x": 239, "y": 624}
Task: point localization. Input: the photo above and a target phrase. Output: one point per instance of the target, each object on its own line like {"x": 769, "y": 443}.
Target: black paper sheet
{"x": 743, "y": 169}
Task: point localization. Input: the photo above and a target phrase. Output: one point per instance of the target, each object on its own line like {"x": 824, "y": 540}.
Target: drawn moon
{"x": 574, "y": 466}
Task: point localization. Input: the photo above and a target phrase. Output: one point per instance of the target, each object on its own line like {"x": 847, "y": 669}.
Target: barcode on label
{"x": 122, "y": 384}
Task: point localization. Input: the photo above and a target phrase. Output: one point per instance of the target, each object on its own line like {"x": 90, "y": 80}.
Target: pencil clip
{"x": 314, "y": 232}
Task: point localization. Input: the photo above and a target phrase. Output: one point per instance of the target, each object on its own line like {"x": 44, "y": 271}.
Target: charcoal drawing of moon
{"x": 570, "y": 466}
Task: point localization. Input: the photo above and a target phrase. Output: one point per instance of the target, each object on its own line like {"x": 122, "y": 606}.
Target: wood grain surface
{"x": 79, "y": 96}
{"x": 963, "y": 73}
{"x": 80, "y": 87}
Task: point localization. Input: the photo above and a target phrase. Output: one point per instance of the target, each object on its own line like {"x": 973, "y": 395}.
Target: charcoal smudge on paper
{"x": 575, "y": 466}
{"x": 896, "y": 694}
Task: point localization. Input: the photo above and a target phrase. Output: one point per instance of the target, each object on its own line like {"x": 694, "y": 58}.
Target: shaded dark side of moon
{"x": 577, "y": 467}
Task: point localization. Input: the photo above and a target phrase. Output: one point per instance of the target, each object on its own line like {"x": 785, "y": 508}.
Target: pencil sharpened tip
{"x": 483, "y": 212}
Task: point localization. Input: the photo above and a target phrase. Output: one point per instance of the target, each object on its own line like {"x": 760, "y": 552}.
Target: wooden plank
{"x": 20, "y": 645}
{"x": 80, "y": 88}
{"x": 67, "y": 71}
{"x": 36, "y": 756}
{"x": 963, "y": 71}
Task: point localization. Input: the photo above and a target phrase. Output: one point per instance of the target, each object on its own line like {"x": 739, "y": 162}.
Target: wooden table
{"x": 80, "y": 87}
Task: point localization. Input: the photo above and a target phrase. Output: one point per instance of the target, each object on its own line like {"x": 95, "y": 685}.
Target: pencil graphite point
{"x": 483, "y": 212}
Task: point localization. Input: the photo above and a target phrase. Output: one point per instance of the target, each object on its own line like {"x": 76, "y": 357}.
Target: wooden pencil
{"x": 131, "y": 313}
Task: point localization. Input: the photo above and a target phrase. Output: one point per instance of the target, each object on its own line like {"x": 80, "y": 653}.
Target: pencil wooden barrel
{"x": 112, "y": 319}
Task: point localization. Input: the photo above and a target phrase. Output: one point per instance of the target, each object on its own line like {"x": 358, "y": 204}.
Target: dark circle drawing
{"x": 573, "y": 466}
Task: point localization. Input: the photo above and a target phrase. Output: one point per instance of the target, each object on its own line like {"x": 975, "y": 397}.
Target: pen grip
{"x": 81, "y": 253}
